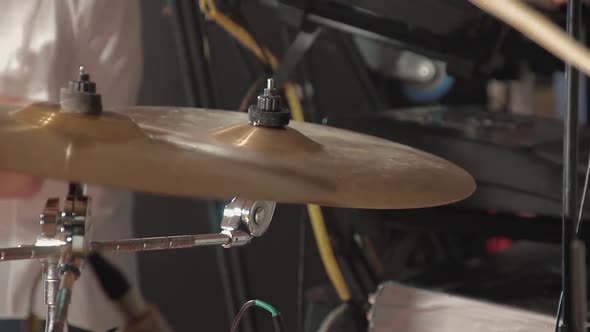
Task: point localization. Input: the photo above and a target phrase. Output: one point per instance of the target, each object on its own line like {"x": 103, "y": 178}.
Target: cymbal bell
{"x": 218, "y": 154}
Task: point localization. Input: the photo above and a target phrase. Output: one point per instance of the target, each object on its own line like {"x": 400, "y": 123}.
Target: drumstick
{"x": 539, "y": 29}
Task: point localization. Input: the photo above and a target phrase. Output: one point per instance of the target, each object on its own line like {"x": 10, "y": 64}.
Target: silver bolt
{"x": 270, "y": 83}
{"x": 424, "y": 71}
{"x": 259, "y": 215}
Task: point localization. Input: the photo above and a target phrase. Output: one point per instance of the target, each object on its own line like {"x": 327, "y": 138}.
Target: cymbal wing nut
{"x": 272, "y": 119}
{"x": 268, "y": 111}
{"x": 80, "y": 96}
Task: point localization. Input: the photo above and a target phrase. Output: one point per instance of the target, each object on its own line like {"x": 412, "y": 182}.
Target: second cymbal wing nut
{"x": 269, "y": 100}
{"x": 268, "y": 111}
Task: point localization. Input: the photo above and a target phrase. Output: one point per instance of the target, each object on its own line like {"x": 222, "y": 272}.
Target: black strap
{"x": 302, "y": 43}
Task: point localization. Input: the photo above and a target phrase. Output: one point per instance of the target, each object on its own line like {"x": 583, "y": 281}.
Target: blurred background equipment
{"x": 438, "y": 76}
{"x": 449, "y": 80}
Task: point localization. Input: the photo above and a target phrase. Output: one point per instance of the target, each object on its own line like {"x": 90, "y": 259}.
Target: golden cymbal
{"x": 218, "y": 154}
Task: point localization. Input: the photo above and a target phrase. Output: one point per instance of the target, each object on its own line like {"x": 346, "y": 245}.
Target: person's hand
{"x": 14, "y": 185}
{"x": 11, "y": 100}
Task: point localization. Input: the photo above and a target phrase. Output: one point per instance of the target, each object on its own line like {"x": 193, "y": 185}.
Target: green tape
{"x": 273, "y": 311}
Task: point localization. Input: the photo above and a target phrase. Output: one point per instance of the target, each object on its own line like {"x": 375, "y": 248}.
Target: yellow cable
{"x": 326, "y": 253}
{"x": 293, "y": 102}
{"x": 209, "y": 9}
{"x": 316, "y": 217}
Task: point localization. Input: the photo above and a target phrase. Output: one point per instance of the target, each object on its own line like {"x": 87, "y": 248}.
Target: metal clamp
{"x": 243, "y": 219}
{"x": 76, "y": 210}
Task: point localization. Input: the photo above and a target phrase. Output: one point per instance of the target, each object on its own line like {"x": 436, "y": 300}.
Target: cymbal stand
{"x": 48, "y": 239}
{"x": 61, "y": 246}
{"x": 62, "y": 239}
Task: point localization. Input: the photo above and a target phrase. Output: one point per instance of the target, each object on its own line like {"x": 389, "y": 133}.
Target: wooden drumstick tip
{"x": 153, "y": 321}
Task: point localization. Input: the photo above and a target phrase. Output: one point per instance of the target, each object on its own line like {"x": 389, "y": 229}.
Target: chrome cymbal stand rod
{"x": 132, "y": 245}
{"x": 242, "y": 220}
{"x": 26, "y": 252}
{"x": 163, "y": 242}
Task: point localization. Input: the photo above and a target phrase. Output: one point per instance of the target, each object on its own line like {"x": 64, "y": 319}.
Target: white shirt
{"x": 42, "y": 43}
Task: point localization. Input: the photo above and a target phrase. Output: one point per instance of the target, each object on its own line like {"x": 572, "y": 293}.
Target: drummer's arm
{"x": 14, "y": 185}
{"x": 12, "y": 100}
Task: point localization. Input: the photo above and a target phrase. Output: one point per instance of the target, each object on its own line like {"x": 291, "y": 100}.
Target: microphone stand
{"x": 573, "y": 268}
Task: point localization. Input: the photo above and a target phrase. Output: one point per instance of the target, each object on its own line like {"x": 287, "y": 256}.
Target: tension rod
{"x": 131, "y": 245}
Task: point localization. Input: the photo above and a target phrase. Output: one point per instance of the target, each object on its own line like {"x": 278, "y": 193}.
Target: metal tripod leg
{"x": 63, "y": 269}
{"x": 50, "y": 288}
